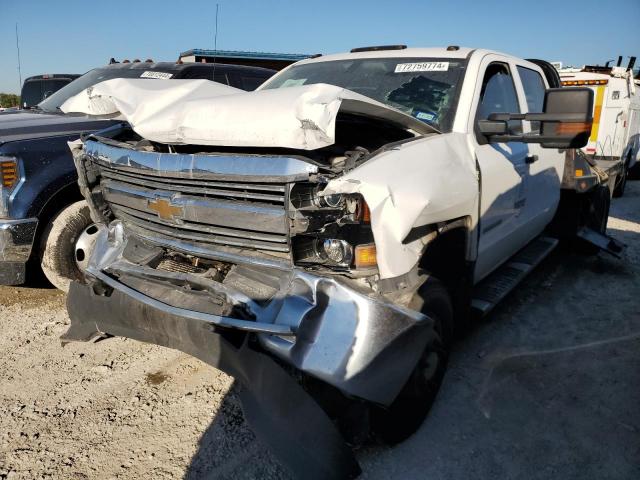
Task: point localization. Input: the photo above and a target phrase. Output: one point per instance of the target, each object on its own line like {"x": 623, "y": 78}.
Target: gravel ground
{"x": 548, "y": 386}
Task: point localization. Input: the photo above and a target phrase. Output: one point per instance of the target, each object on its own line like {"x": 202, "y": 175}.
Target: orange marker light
{"x": 365, "y": 256}
{"x": 579, "y": 172}
{"x": 573, "y": 128}
{"x": 8, "y": 173}
{"x": 364, "y": 214}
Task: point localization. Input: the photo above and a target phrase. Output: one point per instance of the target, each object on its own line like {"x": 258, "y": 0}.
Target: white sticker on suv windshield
{"x": 159, "y": 75}
{"x": 422, "y": 67}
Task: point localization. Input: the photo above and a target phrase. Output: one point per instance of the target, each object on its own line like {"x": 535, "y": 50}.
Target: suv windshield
{"x": 53, "y": 103}
{"x": 426, "y": 88}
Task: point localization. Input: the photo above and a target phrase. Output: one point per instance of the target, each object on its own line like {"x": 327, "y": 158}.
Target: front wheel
{"x": 405, "y": 415}
{"x": 66, "y": 245}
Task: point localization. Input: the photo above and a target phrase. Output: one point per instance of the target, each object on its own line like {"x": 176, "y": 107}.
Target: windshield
{"x": 426, "y": 88}
{"x": 53, "y": 103}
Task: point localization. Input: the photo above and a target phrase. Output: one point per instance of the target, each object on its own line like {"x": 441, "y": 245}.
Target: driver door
{"x": 504, "y": 171}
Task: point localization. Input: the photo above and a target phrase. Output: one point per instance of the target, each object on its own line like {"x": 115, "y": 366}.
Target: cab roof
{"x": 442, "y": 52}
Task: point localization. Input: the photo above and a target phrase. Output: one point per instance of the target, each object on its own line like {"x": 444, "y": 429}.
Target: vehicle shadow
{"x": 228, "y": 449}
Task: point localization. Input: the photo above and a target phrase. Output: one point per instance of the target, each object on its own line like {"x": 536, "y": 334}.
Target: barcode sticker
{"x": 422, "y": 67}
{"x": 159, "y": 75}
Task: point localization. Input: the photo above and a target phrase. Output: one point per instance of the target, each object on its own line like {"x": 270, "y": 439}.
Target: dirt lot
{"x": 547, "y": 387}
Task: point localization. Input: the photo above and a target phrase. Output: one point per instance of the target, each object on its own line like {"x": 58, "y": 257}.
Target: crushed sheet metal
{"x": 402, "y": 194}
{"x": 202, "y": 112}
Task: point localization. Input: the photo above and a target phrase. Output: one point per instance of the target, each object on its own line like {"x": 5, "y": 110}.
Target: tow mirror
{"x": 574, "y": 130}
{"x": 489, "y": 128}
{"x": 565, "y": 123}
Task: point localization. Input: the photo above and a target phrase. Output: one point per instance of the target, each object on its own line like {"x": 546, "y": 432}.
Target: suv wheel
{"x": 66, "y": 245}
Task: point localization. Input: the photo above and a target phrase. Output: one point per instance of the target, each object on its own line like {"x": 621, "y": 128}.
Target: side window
{"x": 498, "y": 95}
{"x": 534, "y": 89}
{"x": 205, "y": 74}
{"x": 247, "y": 81}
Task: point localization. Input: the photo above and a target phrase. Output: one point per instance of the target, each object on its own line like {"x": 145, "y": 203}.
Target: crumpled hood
{"x": 201, "y": 112}
{"x": 29, "y": 125}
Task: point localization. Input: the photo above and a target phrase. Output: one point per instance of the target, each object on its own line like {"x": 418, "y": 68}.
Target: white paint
{"x": 418, "y": 183}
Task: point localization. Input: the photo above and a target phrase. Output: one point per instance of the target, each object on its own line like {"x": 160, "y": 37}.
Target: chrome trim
{"x": 224, "y": 213}
{"x": 227, "y": 322}
{"x": 238, "y": 167}
{"x": 202, "y": 237}
{"x": 16, "y": 239}
{"x": 224, "y": 189}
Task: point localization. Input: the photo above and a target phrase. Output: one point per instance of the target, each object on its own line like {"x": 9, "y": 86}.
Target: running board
{"x": 498, "y": 284}
{"x": 602, "y": 241}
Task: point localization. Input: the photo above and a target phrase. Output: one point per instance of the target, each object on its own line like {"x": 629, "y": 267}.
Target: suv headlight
{"x": 9, "y": 181}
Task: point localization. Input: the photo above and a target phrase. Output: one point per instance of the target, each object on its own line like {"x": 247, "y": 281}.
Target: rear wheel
{"x": 66, "y": 245}
{"x": 405, "y": 415}
{"x": 595, "y": 215}
{"x": 618, "y": 191}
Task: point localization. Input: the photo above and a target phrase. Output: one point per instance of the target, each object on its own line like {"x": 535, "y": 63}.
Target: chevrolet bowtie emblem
{"x": 165, "y": 209}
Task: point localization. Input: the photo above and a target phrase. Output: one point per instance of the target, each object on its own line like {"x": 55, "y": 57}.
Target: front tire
{"x": 66, "y": 245}
{"x": 405, "y": 415}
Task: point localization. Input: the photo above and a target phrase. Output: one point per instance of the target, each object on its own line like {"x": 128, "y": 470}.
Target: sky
{"x": 74, "y": 36}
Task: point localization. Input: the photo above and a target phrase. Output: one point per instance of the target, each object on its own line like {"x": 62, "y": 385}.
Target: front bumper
{"x": 350, "y": 338}
{"x": 16, "y": 243}
{"x": 353, "y": 340}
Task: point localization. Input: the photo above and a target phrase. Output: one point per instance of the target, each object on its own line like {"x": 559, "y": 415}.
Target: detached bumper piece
{"x": 16, "y": 242}
{"x": 307, "y": 324}
{"x": 279, "y": 410}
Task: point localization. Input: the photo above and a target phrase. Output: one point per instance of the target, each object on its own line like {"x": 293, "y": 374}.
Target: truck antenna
{"x": 215, "y": 41}
{"x": 18, "y": 48}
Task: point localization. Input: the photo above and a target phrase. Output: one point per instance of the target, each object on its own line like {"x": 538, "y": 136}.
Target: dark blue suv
{"x": 43, "y": 218}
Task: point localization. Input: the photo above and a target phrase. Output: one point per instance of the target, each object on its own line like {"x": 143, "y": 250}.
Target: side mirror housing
{"x": 565, "y": 123}
{"x": 575, "y": 131}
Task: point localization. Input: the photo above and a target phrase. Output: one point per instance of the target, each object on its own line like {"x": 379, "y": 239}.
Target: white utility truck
{"x": 322, "y": 238}
{"x": 615, "y": 134}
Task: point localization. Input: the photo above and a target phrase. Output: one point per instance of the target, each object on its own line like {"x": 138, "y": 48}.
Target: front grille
{"x": 229, "y": 213}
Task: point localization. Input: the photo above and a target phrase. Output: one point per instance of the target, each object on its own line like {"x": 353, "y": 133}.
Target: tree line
{"x": 9, "y": 100}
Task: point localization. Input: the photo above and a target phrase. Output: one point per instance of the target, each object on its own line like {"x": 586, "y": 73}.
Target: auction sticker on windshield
{"x": 422, "y": 67}
{"x": 160, "y": 75}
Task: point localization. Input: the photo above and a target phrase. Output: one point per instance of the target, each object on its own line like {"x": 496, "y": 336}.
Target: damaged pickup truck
{"x": 322, "y": 238}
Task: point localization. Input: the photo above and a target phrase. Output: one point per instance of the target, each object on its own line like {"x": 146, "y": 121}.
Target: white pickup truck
{"x": 322, "y": 238}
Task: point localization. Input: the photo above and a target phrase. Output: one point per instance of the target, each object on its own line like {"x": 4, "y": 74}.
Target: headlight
{"x": 338, "y": 252}
{"x": 335, "y": 230}
{"x": 9, "y": 180}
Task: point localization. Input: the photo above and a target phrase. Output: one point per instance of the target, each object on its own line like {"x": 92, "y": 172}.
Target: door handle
{"x": 531, "y": 158}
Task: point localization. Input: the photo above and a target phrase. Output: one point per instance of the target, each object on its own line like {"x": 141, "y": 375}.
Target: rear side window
{"x": 534, "y": 89}
{"x": 498, "y": 95}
